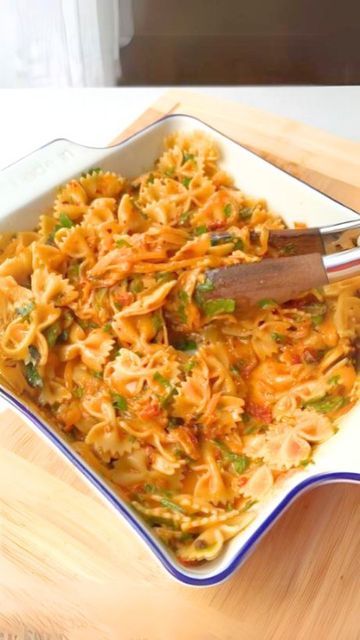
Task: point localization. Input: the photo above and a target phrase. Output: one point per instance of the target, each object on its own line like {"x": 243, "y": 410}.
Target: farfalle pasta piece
{"x": 100, "y": 184}
{"x": 51, "y": 287}
{"x": 109, "y": 442}
{"x": 150, "y": 301}
{"x": 92, "y": 350}
{"x": 71, "y": 200}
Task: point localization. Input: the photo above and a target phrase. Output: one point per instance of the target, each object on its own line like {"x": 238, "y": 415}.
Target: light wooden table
{"x": 71, "y": 569}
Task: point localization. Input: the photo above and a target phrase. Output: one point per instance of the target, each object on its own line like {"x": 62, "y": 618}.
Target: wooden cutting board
{"x": 71, "y": 569}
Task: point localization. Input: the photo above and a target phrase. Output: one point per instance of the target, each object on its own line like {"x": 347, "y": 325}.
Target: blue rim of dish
{"x": 96, "y": 481}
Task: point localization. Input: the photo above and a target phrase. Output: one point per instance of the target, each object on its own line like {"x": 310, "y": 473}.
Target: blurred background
{"x": 104, "y": 43}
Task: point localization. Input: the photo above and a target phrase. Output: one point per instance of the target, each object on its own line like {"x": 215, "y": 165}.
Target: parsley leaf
{"x": 218, "y": 306}
{"x": 32, "y": 376}
{"x": 267, "y": 303}
{"x": 227, "y": 210}
{"x": 327, "y": 404}
{"x": 52, "y": 333}
{"x": 186, "y": 181}
{"x": 26, "y": 309}
{"x": 240, "y": 461}
{"x": 158, "y": 377}
{"x": 171, "y": 505}
{"x": 119, "y": 402}
{"x": 200, "y": 230}
{"x": 280, "y": 338}
{"x": 246, "y": 213}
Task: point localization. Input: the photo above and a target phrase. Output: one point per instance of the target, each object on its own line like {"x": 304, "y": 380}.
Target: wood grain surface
{"x": 71, "y": 569}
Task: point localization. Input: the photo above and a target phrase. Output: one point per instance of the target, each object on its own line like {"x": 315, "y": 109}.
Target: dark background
{"x": 243, "y": 42}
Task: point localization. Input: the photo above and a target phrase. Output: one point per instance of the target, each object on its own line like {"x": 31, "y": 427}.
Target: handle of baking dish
{"x": 28, "y": 179}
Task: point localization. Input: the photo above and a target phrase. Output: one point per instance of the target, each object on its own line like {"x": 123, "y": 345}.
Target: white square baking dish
{"x": 27, "y": 189}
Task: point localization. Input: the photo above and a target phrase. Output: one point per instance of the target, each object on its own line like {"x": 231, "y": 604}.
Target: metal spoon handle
{"x": 345, "y": 264}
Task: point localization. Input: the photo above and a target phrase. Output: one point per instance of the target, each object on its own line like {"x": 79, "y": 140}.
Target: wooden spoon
{"x": 281, "y": 279}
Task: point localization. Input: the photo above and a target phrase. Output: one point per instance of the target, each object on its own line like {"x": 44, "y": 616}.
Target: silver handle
{"x": 345, "y": 264}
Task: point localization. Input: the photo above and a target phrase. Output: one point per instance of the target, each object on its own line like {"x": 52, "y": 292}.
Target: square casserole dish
{"x": 27, "y": 189}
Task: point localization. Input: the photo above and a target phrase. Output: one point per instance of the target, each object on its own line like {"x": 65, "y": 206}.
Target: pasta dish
{"x": 191, "y": 410}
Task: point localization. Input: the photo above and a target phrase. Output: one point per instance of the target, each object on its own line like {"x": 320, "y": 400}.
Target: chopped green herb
{"x": 63, "y": 336}
{"x": 150, "y": 179}
{"x": 334, "y": 380}
{"x": 186, "y": 345}
{"x": 184, "y": 297}
{"x": 248, "y": 505}
{"x": 246, "y": 213}
{"x": 252, "y": 428}
{"x": 171, "y": 505}
{"x": 280, "y": 338}
{"x": 184, "y": 218}
{"x": 32, "y": 376}
{"x": 118, "y": 306}
{"x": 65, "y": 221}
{"x": 119, "y": 402}
{"x": 97, "y": 374}
{"x": 240, "y": 462}
{"x": 205, "y": 286}
{"x": 87, "y": 324}
{"x": 158, "y": 377}
{"x": 239, "y": 244}
{"x": 136, "y": 285}
{"x": 186, "y": 181}
{"x": 68, "y": 318}
{"x": 157, "y": 321}
{"x": 306, "y": 462}
{"x": 151, "y": 488}
{"x": 170, "y": 172}
{"x": 52, "y": 333}
{"x": 315, "y": 308}
{"x": 121, "y": 242}
{"x": 91, "y": 172}
{"x": 218, "y": 306}
{"x": 34, "y": 354}
{"x": 164, "y": 276}
{"x": 174, "y": 423}
{"x": 78, "y": 392}
{"x": 327, "y": 404}
{"x": 73, "y": 271}
{"x": 26, "y": 309}
{"x": 186, "y": 537}
{"x": 200, "y": 230}
{"x": 227, "y": 210}
{"x": 165, "y": 401}
{"x": 189, "y": 365}
{"x": 187, "y": 157}
{"x": 267, "y": 303}
{"x": 221, "y": 238}
{"x": 107, "y": 327}
{"x": 317, "y": 320}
